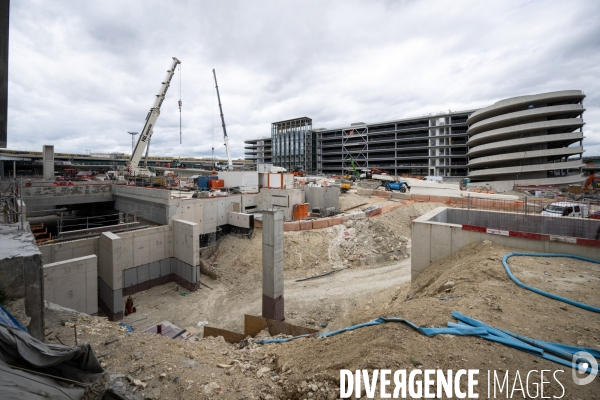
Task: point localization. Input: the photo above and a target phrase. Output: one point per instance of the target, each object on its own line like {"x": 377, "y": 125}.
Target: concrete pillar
{"x": 110, "y": 274}
{"x": 186, "y": 250}
{"x": 48, "y": 157}
{"x": 272, "y": 256}
{"x": 22, "y": 208}
{"x": 33, "y": 281}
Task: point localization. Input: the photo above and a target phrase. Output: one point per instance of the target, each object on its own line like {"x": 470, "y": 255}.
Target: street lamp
{"x": 133, "y": 134}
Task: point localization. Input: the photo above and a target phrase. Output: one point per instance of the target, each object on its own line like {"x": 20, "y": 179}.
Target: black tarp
{"x": 78, "y": 363}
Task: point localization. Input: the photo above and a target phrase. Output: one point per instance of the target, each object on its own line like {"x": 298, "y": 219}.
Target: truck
{"x": 567, "y": 209}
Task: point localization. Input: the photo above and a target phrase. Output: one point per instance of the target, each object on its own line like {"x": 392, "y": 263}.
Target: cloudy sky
{"x": 84, "y": 73}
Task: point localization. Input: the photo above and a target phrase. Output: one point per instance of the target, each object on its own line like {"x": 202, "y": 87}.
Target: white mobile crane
{"x": 229, "y": 166}
{"x": 132, "y": 170}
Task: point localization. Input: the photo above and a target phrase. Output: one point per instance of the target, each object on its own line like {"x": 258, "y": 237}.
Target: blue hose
{"x": 549, "y": 295}
{"x": 467, "y": 326}
{"x": 558, "y": 353}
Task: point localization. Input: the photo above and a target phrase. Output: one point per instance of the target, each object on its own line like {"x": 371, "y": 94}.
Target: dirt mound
{"x": 472, "y": 282}
{"x": 317, "y": 251}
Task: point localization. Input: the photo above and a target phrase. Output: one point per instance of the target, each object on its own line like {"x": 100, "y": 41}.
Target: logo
{"x": 584, "y": 364}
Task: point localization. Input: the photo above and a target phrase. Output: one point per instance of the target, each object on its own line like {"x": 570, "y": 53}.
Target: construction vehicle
{"x": 355, "y": 174}
{"x": 177, "y": 164}
{"x": 345, "y": 186}
{"x": 132, "y": 168}
{"x": 229, "y": 166}
{"x": 298, "y": 171}
{"x": 402, "y": 187}
{"x": 69, "y": 174}
{"x": 464, "y": 183}
{"x": 377, "y": 171}
{"x": 592, "y": 182}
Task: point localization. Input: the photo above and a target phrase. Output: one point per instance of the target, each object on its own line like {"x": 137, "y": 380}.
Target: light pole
{"x": 133, "y": 134}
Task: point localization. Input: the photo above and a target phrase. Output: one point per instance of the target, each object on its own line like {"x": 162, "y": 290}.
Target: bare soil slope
{"x": 471, "y": 281}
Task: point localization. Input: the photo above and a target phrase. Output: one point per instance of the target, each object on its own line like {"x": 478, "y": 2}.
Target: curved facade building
{"x": 528, "y": 140}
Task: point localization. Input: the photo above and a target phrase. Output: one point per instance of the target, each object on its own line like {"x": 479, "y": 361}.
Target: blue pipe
{"x": 549, "y": 295}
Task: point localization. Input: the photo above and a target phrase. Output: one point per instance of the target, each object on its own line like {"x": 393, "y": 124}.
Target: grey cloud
{"x": 82, "y": 74}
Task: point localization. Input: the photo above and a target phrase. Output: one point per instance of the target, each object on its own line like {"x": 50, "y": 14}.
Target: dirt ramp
{"x": 463, "y": 272}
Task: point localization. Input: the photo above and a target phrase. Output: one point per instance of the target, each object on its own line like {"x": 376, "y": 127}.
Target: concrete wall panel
{"x": 52, "y": 253}
{"x": 154, "y": 269}
{"x": 130, "y": 277}
{"x": 209, "y": 214}
{"x": 151, "y": 211}
{"x": 434, "y": 241}
{"x": 143, "y": 273}
{"x": 117, "y": 300}
{"x": 165, "y": 267}
{"x": 110, "y": 260}
{"x": 240, "y": 219}
{"x": 249, "y": 201}
{"x": 73, "y": 284}
{"x": 186, "y": 244}
{"x": 441, "y": 236}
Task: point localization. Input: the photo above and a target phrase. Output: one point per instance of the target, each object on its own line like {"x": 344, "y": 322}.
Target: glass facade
{"x": 294, "y": 144}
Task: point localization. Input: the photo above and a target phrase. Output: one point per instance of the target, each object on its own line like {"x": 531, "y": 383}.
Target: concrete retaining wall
{"x": 186, "y": 246}
{"x": 574, "y": 227}
{"x": 73, "y": 284}
{"x": 145, "y": 246}
{"x": 45, "y": 197}
{"x": 149, "y": 210}
{"x": 433, "y": 239}
{"x": 240, "y": 220}
{"x": 138, "y": 260}
{"x": 280, "y": 199}
{"x": 56, "y": 252}
{"x": 322, "y": 197}
{"x": 159, "y": 273}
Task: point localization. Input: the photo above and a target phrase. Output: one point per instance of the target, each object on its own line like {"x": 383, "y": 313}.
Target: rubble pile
{"x": 366, "y": 237}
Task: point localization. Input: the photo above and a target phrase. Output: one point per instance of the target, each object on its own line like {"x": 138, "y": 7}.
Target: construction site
{"x": 138, "y": 277}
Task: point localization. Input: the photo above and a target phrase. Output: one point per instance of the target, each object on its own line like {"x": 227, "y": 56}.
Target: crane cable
{"x": 180, "y": 103}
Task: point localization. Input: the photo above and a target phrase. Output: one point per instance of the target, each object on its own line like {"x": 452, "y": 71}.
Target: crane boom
{"x": 225, "y": 137}
{"x": 151, "y": 118}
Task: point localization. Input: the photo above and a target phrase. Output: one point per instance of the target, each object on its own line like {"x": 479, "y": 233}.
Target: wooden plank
{"x": 253, "y": 325}
{"x": 229, "y": 336}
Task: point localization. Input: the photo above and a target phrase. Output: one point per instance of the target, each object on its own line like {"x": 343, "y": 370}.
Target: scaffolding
{"x": 354, "y": 147}
{"x": 11, "y": 200}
